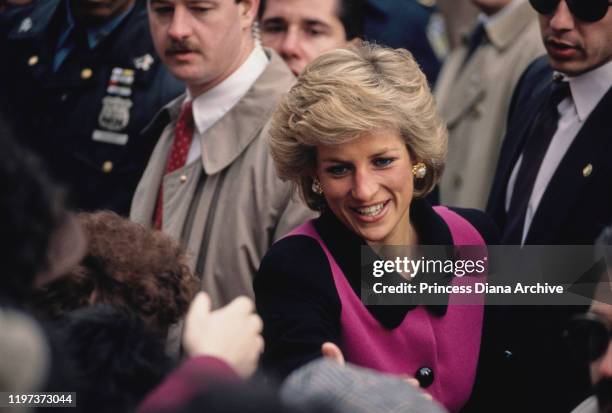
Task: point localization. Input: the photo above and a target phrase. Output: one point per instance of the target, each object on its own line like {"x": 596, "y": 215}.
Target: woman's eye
{"x": 382, "y": 162}
{"x": 337, "y": 170}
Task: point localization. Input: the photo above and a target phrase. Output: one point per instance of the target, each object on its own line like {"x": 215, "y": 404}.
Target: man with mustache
{"x": 80, "y": 79}
{"x": 551, "y": 188}
{"x": 210, "y": 182}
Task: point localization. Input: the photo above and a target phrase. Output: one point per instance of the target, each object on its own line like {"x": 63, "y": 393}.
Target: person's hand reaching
{"x": 231, "y": 333}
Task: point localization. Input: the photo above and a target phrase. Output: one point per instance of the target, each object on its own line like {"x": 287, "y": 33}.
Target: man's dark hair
{"x": 114, "y": 359}
{"x": 350, "y": 14}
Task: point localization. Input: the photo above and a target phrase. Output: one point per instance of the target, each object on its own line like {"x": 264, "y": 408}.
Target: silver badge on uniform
{"x": 115, "y": 114}
{"x": 26, "y": 25}
{"x": 144, "y": 62}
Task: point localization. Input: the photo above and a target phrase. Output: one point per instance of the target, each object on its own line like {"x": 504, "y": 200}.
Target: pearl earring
{"x": 316, "y": 186}
{"x": 419, "y": 170}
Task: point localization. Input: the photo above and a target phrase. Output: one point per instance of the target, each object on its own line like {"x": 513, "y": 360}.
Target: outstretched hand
{"x": 231, "y": 333}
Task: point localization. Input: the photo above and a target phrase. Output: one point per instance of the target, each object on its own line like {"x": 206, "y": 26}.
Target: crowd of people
{"x": 190, "y": 187}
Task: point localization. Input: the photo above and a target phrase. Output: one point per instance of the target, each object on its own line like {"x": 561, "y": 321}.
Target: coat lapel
{"x": 231, "y": 135}
{"x": 591, "y": 146}
{"x": 460, "y": 105}
{"x": 520, "y": 123}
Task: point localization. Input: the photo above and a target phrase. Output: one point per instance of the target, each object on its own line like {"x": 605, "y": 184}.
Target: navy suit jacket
{"x": 533, "y": 368}
{"x": 574, "y": 208}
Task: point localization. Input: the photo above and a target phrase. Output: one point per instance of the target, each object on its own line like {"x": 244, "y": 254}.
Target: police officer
{"x": 82, "y": 81}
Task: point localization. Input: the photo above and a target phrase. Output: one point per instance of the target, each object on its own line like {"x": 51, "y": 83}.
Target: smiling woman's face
{"x": 368, "y": 185}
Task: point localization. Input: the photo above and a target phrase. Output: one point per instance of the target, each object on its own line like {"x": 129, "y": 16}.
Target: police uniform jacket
{"x": 85, "y": 118}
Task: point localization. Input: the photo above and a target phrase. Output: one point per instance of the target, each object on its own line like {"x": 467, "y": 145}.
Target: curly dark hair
{"x": 128, "y": 266}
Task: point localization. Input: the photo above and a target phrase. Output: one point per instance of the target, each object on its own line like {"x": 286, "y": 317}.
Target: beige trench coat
{"x": 475, "y": 101}
{"x": 228, "y": 207}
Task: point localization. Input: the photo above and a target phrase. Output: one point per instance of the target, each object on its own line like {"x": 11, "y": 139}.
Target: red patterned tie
{"x": 183, "y": 134}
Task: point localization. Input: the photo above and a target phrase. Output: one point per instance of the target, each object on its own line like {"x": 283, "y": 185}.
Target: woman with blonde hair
{"x": 360, "y": 138}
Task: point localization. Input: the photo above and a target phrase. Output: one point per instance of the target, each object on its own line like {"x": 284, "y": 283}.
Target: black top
{"x": 296, "y": 295}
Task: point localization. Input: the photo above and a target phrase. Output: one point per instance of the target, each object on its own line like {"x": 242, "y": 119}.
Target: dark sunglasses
{"x": 585, "y": 10}
{"x": 588, "y": 337}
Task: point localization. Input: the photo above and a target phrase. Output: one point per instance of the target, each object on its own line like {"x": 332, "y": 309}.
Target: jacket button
{"x": 33, "y": 60}
{"x": 86, "y": 73}
{"x": 107, "y": 167}
{"x": 425, "y": 376}
{"x": 183, "y": 179}
{"x": 508, "y": 355}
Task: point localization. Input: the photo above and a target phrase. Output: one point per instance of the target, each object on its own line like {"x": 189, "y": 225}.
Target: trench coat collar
{"x": 224, "y": 141}
{"x": 503, "y": 31}
{"x": 232, "y": 134}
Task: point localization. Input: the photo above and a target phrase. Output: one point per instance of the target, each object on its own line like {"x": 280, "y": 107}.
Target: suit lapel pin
{"x": 26, "y": 25}
{"x": 587, "y": 170}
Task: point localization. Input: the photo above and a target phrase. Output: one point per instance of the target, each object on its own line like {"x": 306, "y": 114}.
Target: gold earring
{"x": 316, "y": 186}
{"x": 419, "y": 170}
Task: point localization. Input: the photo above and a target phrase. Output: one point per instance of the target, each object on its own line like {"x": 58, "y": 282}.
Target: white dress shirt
{"x": 213, "y": 104}
{"x": 586, "y": 92}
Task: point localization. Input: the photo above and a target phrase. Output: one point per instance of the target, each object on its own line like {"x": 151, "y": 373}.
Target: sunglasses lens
{"x": 588, "y": 10}
{"x": 585, "y": 10}
{"x": 587, "y": 339}
{"x": 545, "y": 6}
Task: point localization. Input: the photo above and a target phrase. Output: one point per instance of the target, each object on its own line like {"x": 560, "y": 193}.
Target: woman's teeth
{"x": 371, "y": 210}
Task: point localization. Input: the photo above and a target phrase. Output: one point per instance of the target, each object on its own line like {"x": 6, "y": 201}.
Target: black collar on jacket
{"x": 345, "y": 246}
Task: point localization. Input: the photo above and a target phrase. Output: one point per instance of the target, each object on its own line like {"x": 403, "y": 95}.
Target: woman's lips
{"x": 371, "y": 213}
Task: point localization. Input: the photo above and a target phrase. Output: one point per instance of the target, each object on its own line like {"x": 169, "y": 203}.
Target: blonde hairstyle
{"x": 349, "y": 92}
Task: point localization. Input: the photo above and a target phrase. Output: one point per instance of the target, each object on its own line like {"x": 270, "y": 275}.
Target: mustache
{"x": 181, "y": 46}
{"x": 603, "y": 392}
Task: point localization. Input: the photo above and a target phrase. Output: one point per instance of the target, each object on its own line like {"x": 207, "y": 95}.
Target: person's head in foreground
{"x": 301, "y": 30}
{"x": 577, "y": 34}
{"x": 131, "y": 267}
{"x": 359, "y": 135}
{"x": 202, "y": 42}
{"x": 111, "y": 357}
{"x": 40, "y": 239}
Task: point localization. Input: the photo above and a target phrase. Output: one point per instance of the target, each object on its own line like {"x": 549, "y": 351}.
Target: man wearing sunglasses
{"x": 552, "y": 188}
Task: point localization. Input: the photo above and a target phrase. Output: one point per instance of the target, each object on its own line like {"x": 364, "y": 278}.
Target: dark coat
{"x": 84, "y": 121}
{"x": 537, "y": 372}
{"x": 405, "y": 24}
{"x": 575, "y": 208}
